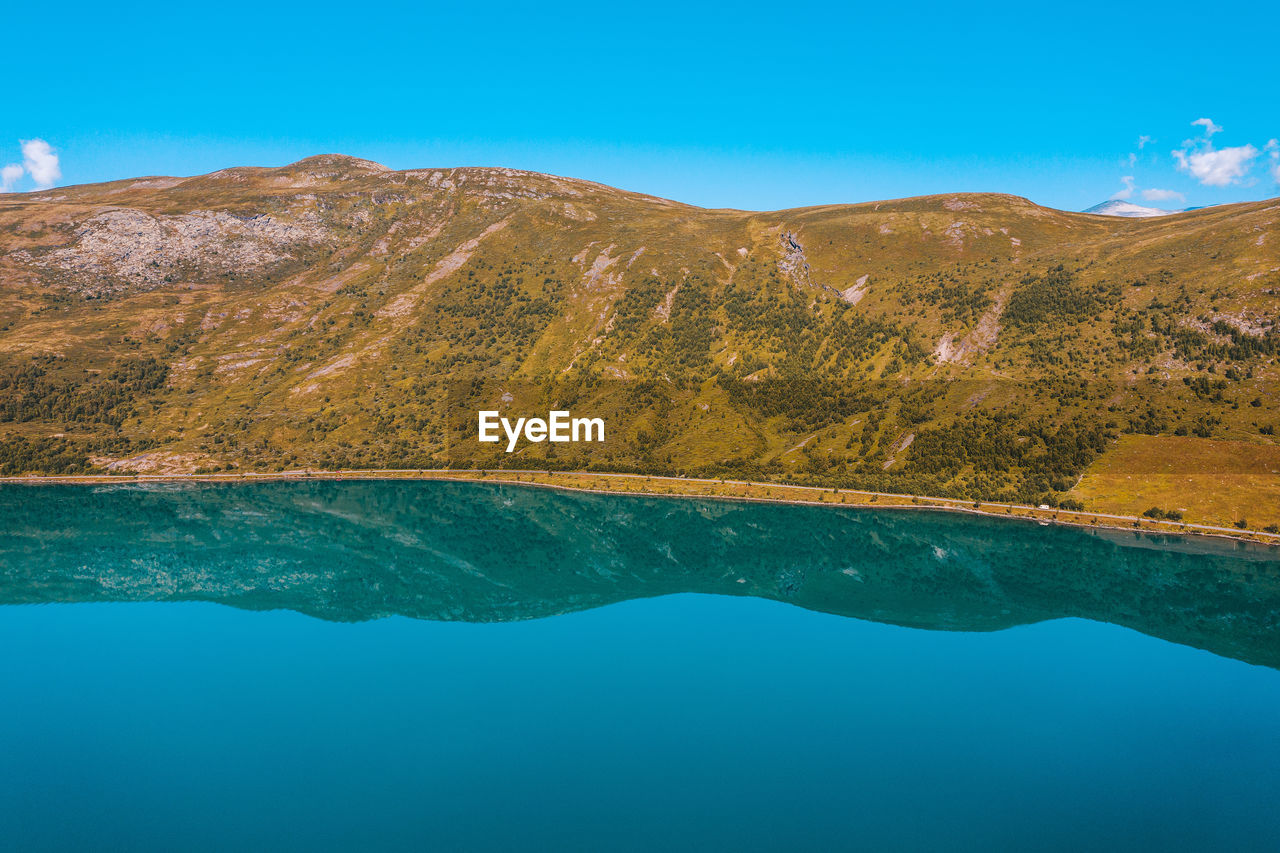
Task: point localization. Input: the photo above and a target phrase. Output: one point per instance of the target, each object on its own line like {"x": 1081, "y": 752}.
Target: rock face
{"x": 242, "y": 223}
{"x": 793, "y": 263}
{"x": 130, "y": 249}
{"x": 853, "y": 295}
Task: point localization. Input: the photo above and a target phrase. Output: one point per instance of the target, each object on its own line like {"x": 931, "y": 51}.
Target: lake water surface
{"x": 448, "y": 666}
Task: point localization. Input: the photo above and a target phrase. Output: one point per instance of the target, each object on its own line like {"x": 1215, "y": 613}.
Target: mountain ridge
{"x": 372, "y": 168}
{"x": 324, "y": 312}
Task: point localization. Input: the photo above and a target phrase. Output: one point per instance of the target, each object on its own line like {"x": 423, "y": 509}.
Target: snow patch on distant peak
{"x": 1118, "y": 207}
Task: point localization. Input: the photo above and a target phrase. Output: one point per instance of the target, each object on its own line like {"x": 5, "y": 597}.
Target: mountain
{"x": 1118, "y": 207}
{"x": 335, "y": 313}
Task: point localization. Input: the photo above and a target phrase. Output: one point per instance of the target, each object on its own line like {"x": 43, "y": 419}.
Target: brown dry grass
{"x": 1209, "y": 481}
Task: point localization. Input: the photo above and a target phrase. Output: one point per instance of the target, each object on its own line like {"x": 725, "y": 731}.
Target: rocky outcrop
{"x": 794, "y": 265}
{"x": 127, "y": 248}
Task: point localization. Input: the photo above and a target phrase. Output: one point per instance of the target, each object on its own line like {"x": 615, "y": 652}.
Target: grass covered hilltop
{"x": 336, "y": 314}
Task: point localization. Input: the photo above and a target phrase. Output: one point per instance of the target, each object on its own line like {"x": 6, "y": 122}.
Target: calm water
{"x": 476, "y": 667}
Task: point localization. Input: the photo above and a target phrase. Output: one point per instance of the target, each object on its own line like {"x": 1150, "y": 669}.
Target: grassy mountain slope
{"x": 335, "y": 313}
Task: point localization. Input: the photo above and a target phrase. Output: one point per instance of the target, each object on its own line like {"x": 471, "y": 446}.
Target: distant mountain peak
{"x": 1119, "y": 207}
{"x": 338, "y": 161}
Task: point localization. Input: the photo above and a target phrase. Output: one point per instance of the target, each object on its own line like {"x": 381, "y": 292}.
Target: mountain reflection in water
{"x": 476, "y": 552}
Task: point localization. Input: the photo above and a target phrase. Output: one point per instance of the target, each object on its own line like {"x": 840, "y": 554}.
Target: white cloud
{"x": 41, "y": 161}
{"x": 9, "y": 177}
{"x": 1209, "y": 127}
{"x": 1216, "y": 167}
{"x": 1204, "y": 161}
{"x": 1128, "y": 188}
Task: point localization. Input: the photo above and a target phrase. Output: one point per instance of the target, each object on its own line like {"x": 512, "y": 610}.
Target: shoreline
{"x": 687, "y": 487}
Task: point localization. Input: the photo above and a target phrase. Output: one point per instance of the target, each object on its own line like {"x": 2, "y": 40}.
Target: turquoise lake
{"x": 445, "y": 666}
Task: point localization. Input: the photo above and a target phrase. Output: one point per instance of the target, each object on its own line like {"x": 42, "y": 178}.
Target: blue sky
{"x": 741, "y": 105}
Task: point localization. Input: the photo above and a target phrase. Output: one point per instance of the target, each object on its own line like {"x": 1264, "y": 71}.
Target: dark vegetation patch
{"x": 35, "y": 391}
{"x": 1058, "y": 297}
